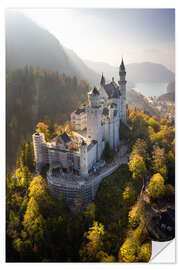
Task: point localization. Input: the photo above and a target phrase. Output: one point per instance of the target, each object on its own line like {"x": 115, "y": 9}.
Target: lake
{"x": 151, "y": 89}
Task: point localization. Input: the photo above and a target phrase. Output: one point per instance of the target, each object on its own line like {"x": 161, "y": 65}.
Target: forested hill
{"x": 29, "y": 44}
{"x": 137, "y": 100}
{"x": 32, "y": 94}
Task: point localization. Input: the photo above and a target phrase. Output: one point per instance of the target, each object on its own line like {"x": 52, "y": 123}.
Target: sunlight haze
{"x": 105, "y": 35}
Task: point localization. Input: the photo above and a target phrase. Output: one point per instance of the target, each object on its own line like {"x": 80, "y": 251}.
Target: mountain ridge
{"x": 137, "y": 72}
{"x": 27, "y": 43}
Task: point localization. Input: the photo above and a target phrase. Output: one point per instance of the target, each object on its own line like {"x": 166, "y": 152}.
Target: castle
{"x": 94, "y": 125}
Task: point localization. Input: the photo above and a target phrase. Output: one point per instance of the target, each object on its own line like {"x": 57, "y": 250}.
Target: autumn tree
{"x": 95, "y": 242}
{"x": 159, "y": 161}
{"x": 26, "y": 156}
{"x": 130, "y": 249}
{"x": 137, "y": 167}
{"x": 145, "y": 252}
{"x": 43, "y": 128}
{"x": 104, "y": 257}
{"x": 129, "y": 194}
{"x": 23, "y": 176}
{"x": 140, "y": 148}
{"x": 156, "y": 187}
{"x": 134, "y": 216}
{"x": 154, "y": 124}
{"x": 34, "y": 222}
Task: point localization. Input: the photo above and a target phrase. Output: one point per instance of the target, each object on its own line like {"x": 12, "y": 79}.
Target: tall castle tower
{"x": 94, "y": 117}
{"x": 122, "y": 87}
{"x": 40, "y": 151}
{"x": 83, "y": 160}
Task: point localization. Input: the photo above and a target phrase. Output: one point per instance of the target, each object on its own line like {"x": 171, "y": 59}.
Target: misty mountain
{"x": 146, "y": 72}
{"x": 171, "y": 87}
{"x": 170, "y": 95}
{"x": 29, "y": 44}
{"x": 138, "y": 101}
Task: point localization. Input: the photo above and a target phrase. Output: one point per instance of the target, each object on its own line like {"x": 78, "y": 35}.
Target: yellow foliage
{"x": 145, "y": 252}
{"x": 134, "y": 216}
{"x": 43, "y": 128}
{"x": 137, "y": 167}
{"x": 156, "y": 187}
{"x": 128, "y": 250}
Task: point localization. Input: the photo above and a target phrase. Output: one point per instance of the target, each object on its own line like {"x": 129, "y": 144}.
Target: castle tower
{"x": 40, "y": 151}
{"x": 83, "y": 159}
{"x": 94, "y": 118}
{"x": 122, "y": 87}
{"x": 103, "y": 81}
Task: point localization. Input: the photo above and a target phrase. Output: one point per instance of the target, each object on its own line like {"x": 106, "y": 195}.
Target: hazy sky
{"x": 108, "y": 34}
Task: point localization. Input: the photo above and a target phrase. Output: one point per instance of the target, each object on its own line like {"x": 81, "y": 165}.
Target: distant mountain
{"x": 146, "y": 72}
{"x": 170, "y": 95}
{"x": 81, "y": 68}
{"x": 167, "y": 97}
{"x": 171, "y": 87}
{"x": 136, "y": 100}
{"x": 29, "y": 44}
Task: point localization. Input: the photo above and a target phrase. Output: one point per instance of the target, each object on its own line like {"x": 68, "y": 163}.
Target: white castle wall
{"x": 83, "y": 160}
{"x": 94, "y": 128}
{"x": 40, "y": 151}
{"x": 92, "y": 156}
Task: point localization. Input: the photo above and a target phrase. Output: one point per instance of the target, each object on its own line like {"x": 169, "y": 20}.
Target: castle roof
{"x": 115, "y": 112}
{"x": 122, "y": 67}
{"x": 105, "y": 111}
{"x": 63, "y": 138}
{"x": 112, "y": 90}
{"x": 102, "y": 80}
{"x": 79, "y": 110}
{"x": 113, "y": 105}
{"x": 83, "y": 143}
{"x": 95, "y": 92}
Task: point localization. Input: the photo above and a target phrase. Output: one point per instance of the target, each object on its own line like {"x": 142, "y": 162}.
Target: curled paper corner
{"x": 163, "y": 252}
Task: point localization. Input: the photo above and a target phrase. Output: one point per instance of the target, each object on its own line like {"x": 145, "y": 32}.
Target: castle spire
{"x": 103, "y": 80}
{"x": 122, "y": 67}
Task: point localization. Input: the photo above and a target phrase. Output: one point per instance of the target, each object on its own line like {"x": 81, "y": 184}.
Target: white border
{"x": 68, "y": 4}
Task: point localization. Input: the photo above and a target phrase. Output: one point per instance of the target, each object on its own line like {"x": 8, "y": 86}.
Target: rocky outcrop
{"x": 159, "y": 219}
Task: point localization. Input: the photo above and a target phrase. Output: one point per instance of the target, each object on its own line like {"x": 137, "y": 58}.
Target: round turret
{"x": 94, "y": 98}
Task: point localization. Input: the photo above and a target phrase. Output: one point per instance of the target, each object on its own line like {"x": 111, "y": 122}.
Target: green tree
{"x": 51, "y": 127}
{"x": 108, "y": 153}
{"x": 89, "y": 213}
{"x": 26, "y": 156}
{"x": 129, "y": 194}
{"x": 124, "y": 131}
